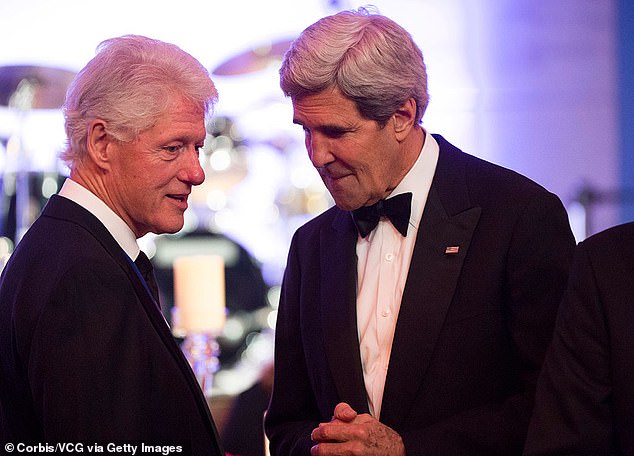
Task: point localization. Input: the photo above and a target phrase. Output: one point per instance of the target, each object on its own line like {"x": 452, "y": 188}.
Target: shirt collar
{"x": 114, "y": 224}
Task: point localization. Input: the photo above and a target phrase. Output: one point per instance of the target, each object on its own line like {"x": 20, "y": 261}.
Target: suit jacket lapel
{"x": 448, "y": 221}
{"x": 60, "y": 207}
{"x": 338, "y": 307}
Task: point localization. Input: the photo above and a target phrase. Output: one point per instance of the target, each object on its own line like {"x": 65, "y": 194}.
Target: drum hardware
{"x": 24, "y": 88}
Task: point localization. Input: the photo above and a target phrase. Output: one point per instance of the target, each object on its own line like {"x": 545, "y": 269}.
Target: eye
{"x": 171, "y": 152}
{"x": 334, "y": 132}
{"x": 174, "y": 149}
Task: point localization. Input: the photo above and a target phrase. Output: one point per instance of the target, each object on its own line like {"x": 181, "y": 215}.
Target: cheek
{"x": 374, "y": 164}
{"x": 154, "y": 176}
{"x": 375, "y": 177}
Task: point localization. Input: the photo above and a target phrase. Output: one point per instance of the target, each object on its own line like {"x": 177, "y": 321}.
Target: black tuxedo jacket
{"x": 473, "y": 326}
{"x": 86, "y": 355}
{"x": 585, "y": 395}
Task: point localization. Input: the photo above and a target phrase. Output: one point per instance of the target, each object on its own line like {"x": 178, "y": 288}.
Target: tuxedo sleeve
{"x": 292, "y": 412}
{"x": 572, "y": 410}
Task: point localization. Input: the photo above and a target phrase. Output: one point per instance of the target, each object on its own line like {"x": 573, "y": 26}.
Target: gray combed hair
{"x": 368, "y": 57}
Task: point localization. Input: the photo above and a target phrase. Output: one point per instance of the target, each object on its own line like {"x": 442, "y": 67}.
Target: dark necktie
{"x": 146, "y": 269}
{"x": 397, "y": 209}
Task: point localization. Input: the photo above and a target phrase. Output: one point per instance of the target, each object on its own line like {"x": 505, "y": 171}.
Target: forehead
{"x": 329, "y": 106}
{"x": 180, "y": 109}
{"x": 181, "y": 118}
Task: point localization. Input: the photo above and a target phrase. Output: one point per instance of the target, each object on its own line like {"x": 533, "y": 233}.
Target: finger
{"x": 322, "y": 434}
{"x": 338, "y": 432}
{"x": 344, "y": 412}
{"x": 330, "y": 432}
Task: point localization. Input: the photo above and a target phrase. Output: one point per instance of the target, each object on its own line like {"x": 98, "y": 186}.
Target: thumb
{"x": 344, "y": 412}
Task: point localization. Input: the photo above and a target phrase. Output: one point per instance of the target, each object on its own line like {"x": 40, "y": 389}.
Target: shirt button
{"x": 386, "y": 313}
{"x": 389, "y": 257}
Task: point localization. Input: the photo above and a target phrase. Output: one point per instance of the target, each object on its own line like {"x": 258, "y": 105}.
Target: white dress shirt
{"x": 114, "y": 224}
{"x": 383, "y": 263}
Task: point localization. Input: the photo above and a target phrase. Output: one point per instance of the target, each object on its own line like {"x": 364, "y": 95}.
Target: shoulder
{"x": 496, "y": 189}
{"x": 621, "y": 234}
{"x": 614, "y": 245}
{"x": 488, "y": 175}
{"x": 59, "y": 249}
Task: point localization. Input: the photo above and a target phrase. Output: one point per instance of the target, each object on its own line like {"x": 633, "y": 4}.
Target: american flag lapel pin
{"x": 452, "y": 249}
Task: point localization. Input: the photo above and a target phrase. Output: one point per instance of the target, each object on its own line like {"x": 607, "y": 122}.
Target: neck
{"x": 412, "y": 146}
{"x": 92, "y": 179}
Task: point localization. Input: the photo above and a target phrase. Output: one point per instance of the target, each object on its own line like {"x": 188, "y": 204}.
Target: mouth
{"x": 180, "y": 198}
{"x": 333, "y": 180}
{"x": 334, "y": 175}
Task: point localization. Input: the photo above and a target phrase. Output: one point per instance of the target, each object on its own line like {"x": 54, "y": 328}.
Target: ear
{"x": 99, "y": 143}
{"x": 404, "y": 119}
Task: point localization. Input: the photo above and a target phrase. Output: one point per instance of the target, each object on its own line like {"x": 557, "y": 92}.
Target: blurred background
{"x": 542, "y": 87}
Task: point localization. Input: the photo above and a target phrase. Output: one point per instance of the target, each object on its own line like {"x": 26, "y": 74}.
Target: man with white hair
{"x": 86, "y": 354}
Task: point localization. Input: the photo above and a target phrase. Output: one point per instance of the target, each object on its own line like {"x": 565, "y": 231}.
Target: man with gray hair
{"x": 86, "y": 355}
{"x": 414, "y": 315}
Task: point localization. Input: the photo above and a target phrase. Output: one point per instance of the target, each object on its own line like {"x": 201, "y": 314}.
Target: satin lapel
{"x": 338, "y": 271}
{"x": 429, "y": 289}
{"x": 60, "y": 207}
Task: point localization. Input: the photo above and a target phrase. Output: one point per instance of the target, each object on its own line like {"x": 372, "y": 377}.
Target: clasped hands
{"x": 349, "y": 433}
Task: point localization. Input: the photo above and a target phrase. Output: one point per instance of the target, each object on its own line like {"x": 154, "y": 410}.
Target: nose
{"x": 318, "y": 151}
{"x": 191, "y": 171}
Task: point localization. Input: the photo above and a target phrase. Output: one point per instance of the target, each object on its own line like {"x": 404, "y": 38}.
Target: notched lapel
{"x": 338, "y": 310}
{"x": 430, "y": 286}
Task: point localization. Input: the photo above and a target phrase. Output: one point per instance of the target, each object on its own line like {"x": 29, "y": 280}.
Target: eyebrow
{"x": 328, "y": 127}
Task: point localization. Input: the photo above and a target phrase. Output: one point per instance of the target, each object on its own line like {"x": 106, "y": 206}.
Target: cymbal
{"x": 255, "y": 59}
{"x": 49, "y": 84}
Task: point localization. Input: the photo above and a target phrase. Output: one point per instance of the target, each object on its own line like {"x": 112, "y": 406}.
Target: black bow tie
{"x": 397, "y": 209}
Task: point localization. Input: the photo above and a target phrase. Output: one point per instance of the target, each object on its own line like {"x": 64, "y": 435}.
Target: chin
{"x": 169, "y": 228}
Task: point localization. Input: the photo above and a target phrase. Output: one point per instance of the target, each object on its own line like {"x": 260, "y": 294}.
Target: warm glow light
{"x": 199, "y": 293}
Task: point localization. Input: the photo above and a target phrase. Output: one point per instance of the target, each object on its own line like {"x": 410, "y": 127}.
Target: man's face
{"x": 152, "y": 177}
{"x": 358, "y": 160}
